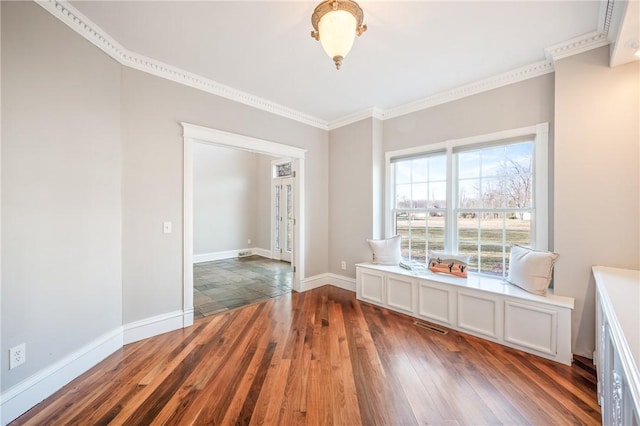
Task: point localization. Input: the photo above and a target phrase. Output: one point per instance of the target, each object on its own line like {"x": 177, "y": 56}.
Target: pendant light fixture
{"x": 336, "y": 24}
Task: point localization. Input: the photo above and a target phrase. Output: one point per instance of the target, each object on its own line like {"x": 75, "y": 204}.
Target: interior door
{"x": 284, "y": 221}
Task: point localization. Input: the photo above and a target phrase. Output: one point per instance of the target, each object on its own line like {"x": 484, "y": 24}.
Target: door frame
{"x": 292, "y": 178}
{"x": 191, "y": 134}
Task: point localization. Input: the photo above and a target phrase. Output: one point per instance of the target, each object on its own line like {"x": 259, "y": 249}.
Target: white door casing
{"x": 193, "y": 133}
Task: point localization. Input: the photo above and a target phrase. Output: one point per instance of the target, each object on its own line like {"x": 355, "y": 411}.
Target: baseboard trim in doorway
{"x": 153, "y": 326}
{"x": 346, "y": 283}
{"x": 229, "y": 254}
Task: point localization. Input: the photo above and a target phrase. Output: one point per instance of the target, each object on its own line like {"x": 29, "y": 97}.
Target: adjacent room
{"x": 328, "y": 212}
{"x": 238, "y": 226}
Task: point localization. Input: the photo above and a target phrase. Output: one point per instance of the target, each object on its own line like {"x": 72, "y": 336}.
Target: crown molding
{"x": 576, "y": 45}
{"x": 519, "y": 74}
{"x": 75, "y": 20}
{"x": 356, "y": 116}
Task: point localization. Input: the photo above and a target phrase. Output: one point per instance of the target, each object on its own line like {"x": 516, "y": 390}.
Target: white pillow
{"x": 386, "y": 252}
{"x": 531, "y": 269}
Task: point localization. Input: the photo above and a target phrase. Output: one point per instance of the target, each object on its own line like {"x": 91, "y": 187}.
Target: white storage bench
{"x": 486, "y": 307}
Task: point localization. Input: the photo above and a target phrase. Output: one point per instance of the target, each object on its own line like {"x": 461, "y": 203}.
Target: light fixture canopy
{"x": 336, "y": 23}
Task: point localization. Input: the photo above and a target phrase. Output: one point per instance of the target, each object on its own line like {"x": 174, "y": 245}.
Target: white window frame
{"x": 540, "y": 219}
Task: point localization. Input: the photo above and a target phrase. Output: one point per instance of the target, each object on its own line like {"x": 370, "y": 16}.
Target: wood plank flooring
{"x": 320, "y": 358}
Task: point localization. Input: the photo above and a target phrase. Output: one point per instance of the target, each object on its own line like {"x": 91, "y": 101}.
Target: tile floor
{"x": 230, "y": 283}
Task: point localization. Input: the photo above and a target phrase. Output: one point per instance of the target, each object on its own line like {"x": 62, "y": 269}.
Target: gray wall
{"x": 350, "y": 195}
{"x": 597, "y": 182}
{"x": 228, "y": 199}
{"x": 152, "y": 109}
{"x": 61, "y": 201}
{"x": 516, "y": 105}
{"x": 356, "y": 156}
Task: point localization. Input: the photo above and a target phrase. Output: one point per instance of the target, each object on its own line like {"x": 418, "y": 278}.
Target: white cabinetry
{"x": 617, "y": 353}
{"x": 485, "y": 307}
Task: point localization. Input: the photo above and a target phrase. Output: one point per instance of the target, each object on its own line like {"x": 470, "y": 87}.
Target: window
{"x": 474, "y": 197}
{"x": 420, "y": 200}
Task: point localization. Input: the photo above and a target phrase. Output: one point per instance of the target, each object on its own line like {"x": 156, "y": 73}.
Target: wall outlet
{"x": 343, "y": 265}
{"x": 249, "y": 241}
{"x": 17, "y": 356}
{"x": 166, "y": 227}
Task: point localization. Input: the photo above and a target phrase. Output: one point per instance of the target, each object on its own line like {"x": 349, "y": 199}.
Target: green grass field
{"x": 488, "y": 240}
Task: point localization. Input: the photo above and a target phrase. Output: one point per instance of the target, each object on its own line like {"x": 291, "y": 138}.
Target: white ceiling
{"x": 411, "y": 50}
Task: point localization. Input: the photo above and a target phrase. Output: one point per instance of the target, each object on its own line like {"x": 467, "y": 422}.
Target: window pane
{"x": 492, "y": 193}
{"x": 419, "y": 236}
{"x": 403, "y": 228}
{"x": 402, "y": 172}
{"x": 492, "y": 160}
{"x": 491, "y": 259}
{"x": 419, "y": 195}
{"x": 435, "y": 232}
{"x": 438, "y": 195}
{"x": 403, "y": 196}
{"x": 438, "y": 168}
{"x": 469, "y": 164}
{"x": 469, "y": 194}
{"x": 468, "y": 238}
{"x": 518, "y": 228}
{"x": 419, "y": 171}
{"x": 519, "y": 177}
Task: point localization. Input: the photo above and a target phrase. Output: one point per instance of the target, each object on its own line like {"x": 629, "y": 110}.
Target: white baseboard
{"x": 18, "y": 399}
{"x": 154, "y": 326}
{"x": 262, "y": 252}
{"x": 343, "y": 282}
{"x": 221, "y": 255}
{"x": 335, "y": 280}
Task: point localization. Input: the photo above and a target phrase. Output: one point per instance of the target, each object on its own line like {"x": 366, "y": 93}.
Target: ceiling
{"x": 412, "y": 50}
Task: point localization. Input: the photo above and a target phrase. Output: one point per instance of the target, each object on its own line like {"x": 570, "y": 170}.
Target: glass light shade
{"x": 337, "y": 31}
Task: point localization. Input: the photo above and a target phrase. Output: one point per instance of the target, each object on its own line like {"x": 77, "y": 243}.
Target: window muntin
{"x": 494, "y": 204}
{"x": 495, "y": 195}
{"x": 420, "y": 200}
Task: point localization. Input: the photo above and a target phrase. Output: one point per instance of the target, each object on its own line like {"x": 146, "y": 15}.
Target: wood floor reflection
{"x": 320, "y": 358}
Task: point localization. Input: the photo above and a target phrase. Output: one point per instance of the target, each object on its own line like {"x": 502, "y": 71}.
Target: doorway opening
{"x": 294, "y": 221}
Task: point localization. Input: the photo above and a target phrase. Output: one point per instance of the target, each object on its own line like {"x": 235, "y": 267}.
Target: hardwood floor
{"x": 320, "y": 358}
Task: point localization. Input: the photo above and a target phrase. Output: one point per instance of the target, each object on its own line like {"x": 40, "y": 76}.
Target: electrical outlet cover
{"x": 17, "y": 356}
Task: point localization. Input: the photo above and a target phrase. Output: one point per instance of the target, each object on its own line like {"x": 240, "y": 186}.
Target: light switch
{"x": 166, "y": 227}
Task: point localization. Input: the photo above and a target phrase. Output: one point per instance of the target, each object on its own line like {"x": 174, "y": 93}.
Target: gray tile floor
{"x": 230, "y": 283}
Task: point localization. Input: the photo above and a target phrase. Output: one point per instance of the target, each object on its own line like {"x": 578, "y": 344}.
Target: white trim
{"x": 346, "y": 283}
{"x": 153, "y": 326}
{"x": 218, "y": 255}
{"x": 262, "y": 252}
{"x": 192, "y": 134}
{"x": 540, "y": 131}
{"x": 576, "y": 45}
{"x": 320, "y": 280}
{"x": 514, "y": 76}
{"x": 75, "y": 20}
{"x": 237, "y": 141}
{"x": 18, "y": 399}
{"x": 229, "y": 254}
{"x": 315, "y": 281}
{"x": 355, "y": 117}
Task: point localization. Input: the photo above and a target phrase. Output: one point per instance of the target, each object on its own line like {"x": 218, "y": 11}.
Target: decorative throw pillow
{"x": 531, "y": 269}
{"x": 387, "y": 251}
{"x": 445, "y": 263}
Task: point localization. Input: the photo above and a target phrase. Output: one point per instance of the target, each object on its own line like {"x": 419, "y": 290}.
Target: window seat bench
{"x": 486, "y": 307}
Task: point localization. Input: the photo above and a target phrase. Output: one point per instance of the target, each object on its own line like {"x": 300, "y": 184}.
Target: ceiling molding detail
{"x": 93, "y": 33}
{"x": 576, "y": 45}
{"x": 509, "y": 77}
{"x": 356, "y": 116}
{"x": 75, "y": 20}
{"x": 606, "y": 12}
